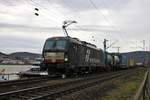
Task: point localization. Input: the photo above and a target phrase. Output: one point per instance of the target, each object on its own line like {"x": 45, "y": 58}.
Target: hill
{"x": 3, "y": 54}
{"x": 24, "y": 55}
{"x": 139, "y": 56}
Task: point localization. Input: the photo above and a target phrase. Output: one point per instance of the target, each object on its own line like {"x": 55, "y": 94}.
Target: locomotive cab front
{"x": 55, "y": 51}
{"x": 54, "y": 54}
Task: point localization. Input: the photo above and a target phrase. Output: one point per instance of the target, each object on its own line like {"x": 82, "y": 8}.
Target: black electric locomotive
{"x": 66, "y": 55}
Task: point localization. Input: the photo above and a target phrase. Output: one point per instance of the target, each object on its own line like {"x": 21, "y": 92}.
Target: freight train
{"x": 66, "y": 55}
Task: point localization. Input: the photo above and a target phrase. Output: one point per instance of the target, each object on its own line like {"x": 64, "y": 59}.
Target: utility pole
{"x": 105, "y": 44}
{"x": 149, "y": 46}
{"x": 105, "y": 47}
{"x": 143, "y": 45}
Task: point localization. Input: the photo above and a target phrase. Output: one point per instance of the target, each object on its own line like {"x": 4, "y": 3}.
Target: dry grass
{"x": 121, "y": 89}
{"x": 126, "y": 89}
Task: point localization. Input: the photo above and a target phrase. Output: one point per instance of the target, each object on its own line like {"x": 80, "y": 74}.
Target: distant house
{"x": 10, "y": 61}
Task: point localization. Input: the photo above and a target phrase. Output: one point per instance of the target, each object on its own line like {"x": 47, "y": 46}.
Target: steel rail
{"x": 74, "y": 88}
{"x": 23, "y": 81}
{"x": 49, "y": 90}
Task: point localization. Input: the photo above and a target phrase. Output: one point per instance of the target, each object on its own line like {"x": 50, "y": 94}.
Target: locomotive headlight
{"x": 66, "y": 59}
{"x": 42, "y": 58}
{"x": 43, "y": 73}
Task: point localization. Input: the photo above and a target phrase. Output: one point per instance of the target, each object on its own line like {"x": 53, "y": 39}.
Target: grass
{"x": 126, "y": 89}
{"x": 123, "y": 88}
{"x": 123, "y": 92}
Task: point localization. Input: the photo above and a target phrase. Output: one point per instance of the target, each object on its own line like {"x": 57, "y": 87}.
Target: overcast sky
{"x": 125, "y": 22}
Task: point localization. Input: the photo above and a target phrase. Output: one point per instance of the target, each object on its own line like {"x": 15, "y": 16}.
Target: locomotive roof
{"x": 76, "y": 40}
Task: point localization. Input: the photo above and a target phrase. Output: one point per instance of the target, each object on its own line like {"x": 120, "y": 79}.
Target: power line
{"x": 46, "y": 9}
{"x": 106, "y": 19}
{"x": 38, "y": 5}
{"x": 83, "y": 29}
{"x": 74, "y": 17}
{"x": 78, "y": 26}
{"x": 63, "y": 17}
{"x": 104, "y": 3}
{"x": 93, "y": 4}
{"x": 112, "y": 17}
{"x": 101, "y": 13}
{"x": 114, "y": 27}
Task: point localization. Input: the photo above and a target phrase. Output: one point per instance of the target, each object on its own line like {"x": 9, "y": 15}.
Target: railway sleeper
{"x": 45, "y": 92}
{"x": 20, "y": 97}
{"x": 70, "y": 87}
{"x": 75, "y": 88}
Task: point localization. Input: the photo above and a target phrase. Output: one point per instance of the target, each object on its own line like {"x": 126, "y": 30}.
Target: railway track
{"x": 6, "y": 86}
{"x": 60, "y": 89}
{"x": 24, "y": 81}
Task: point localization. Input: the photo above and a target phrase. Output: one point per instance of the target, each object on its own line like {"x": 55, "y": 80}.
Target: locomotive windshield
{"x": 55, "y": 44}
{"x": 49, "y": 44}
{"x": 60, "y": 44}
